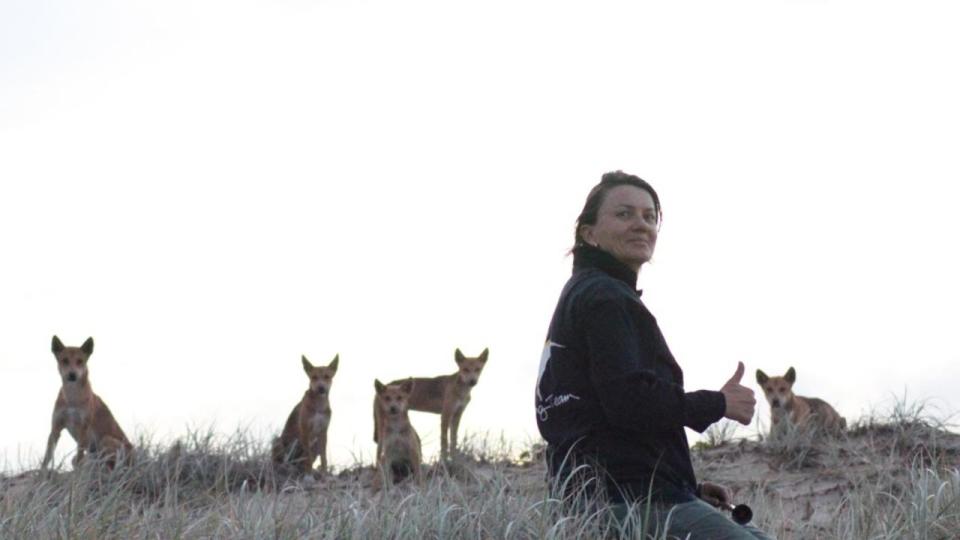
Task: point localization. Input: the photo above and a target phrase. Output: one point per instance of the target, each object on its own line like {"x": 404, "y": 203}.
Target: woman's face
{"x": 626, "y": 226}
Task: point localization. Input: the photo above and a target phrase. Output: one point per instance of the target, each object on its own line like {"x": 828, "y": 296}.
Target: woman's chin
{"x": 636, "y": 260}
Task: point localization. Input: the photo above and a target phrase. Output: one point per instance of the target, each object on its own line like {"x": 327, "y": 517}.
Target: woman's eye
{"x": 623, "y": 214}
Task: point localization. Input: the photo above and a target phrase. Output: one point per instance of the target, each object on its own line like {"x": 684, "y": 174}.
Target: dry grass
{"x": 891, "y": 476}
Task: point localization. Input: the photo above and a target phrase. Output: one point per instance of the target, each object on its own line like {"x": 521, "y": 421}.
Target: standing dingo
{"x": 446, "y": 395}
{"x": 84, "y": 415}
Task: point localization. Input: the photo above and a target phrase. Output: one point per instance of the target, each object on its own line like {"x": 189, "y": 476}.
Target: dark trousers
{"x": 694, "y": 520}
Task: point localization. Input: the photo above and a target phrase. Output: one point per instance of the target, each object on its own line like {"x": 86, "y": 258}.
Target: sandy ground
{"x": 805, "y": 487}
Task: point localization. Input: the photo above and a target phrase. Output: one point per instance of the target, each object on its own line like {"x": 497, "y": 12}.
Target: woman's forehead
{"x": 629, "y": 196}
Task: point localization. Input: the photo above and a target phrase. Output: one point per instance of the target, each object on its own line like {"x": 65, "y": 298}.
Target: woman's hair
{"x": 597, "y": 195}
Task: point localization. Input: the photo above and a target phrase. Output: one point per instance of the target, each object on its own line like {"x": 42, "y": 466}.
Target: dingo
{"x": 304, "y": 436}
{"x": 799, "y": 410}
{"x": 446, "y": 395}
{"x": 398, "y": 445}
{"x": 83, "y": 413}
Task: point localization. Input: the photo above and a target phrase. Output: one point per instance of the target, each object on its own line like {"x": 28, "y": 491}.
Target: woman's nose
{"x": 641, "y": 224}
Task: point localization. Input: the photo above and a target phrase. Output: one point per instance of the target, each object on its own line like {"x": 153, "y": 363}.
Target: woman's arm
{"x": 631, "y": 393}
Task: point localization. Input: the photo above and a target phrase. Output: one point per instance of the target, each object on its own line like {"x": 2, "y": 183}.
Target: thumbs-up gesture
{"x": 740, "y": 400}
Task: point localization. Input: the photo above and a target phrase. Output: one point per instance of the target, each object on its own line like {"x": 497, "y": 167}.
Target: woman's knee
{"x": 700, "y": 520}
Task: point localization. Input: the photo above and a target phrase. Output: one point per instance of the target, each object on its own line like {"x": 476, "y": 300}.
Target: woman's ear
{"x": 586, "y": 234}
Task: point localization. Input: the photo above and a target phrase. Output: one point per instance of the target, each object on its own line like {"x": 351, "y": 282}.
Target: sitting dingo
{"x": 304, "y": 436}
{"x": 799, "y": 410}
{"x": 446, "y": 395}
{"x": 84, "y": 415}
{"x": 398, "y": 445}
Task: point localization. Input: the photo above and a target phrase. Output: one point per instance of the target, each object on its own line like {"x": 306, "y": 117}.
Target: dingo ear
{"x": 87, "y": 346}
{"x": 57, "y": 345}
{"x": 458, "y": 356}
{"x": 791, "y": 376}
{"x": 407, "y": 386}
{"x": 484, "y": 354}
{"x": 336, "y": 362}
{"x": 378, "y": 386}
{"x": 761, "y": 377}
{"x": 307, "y": 366}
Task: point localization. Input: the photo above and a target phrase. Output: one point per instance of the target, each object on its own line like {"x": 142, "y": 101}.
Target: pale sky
{"x": 211, "y": 189}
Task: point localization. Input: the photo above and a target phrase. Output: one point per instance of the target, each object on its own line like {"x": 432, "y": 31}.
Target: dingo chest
{"x": 319, "y": 420}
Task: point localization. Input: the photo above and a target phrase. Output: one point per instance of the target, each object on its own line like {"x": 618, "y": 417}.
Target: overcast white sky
{"x": 211, "y": 189}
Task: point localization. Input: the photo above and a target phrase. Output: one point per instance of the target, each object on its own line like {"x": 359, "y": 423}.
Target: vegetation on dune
{"x": 890, "y": 476}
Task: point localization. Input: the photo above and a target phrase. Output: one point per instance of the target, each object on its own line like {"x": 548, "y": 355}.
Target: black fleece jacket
{"x": 610, "y": 393}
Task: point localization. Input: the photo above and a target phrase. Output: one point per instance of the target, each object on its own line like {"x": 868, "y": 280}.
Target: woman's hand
{"x": 740, "y": 400}
{"x": 715, "y": 494}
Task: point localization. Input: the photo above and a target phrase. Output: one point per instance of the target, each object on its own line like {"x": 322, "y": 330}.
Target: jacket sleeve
{"x": 631, "y": 393}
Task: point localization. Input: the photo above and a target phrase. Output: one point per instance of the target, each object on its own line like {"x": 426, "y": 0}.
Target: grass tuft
{"x": 892, "y": 475}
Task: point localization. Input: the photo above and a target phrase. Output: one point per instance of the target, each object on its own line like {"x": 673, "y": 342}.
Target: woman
{"x": 610, "y": 396}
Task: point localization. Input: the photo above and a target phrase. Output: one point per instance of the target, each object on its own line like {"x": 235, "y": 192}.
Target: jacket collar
{"x": 587, "y": 256}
